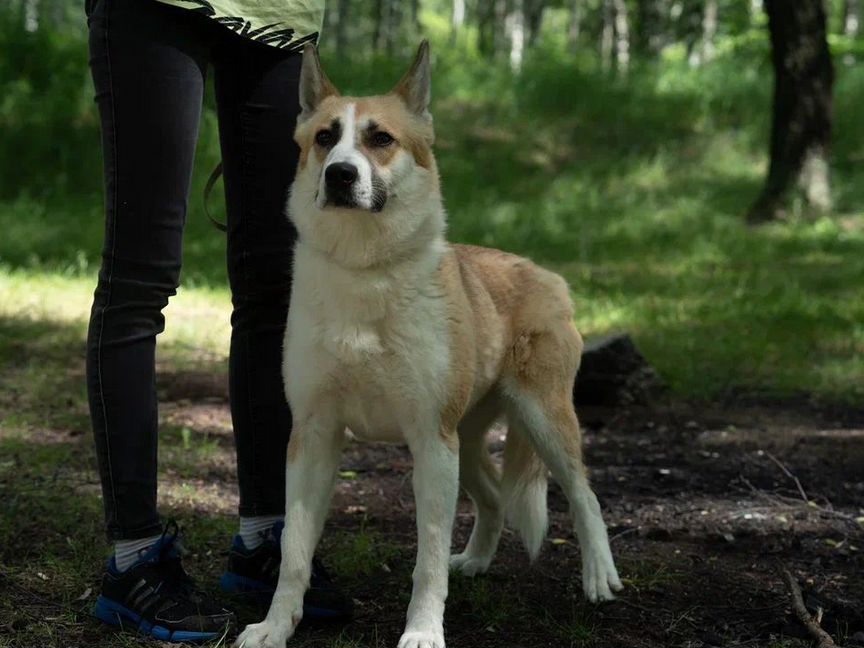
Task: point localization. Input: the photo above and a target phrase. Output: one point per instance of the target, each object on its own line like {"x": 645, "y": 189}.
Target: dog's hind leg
{"x": 480, "y": 478}
{"x": 541, "y": 409}
{"x": 313, "y": 460}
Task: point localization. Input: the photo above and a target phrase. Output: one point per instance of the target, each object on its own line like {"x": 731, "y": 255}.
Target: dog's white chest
{"x": 367, "y": 347}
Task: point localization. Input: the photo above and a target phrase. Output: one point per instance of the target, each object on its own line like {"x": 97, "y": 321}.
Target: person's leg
{"x": 257, "y": 97}
{"x": 148, "y": 71}
{"x": 256, "y": 93}
{"x": 148, "y": 63}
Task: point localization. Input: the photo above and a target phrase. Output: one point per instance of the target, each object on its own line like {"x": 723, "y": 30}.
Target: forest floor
{"x": 634, "y": 189}
{"x": 701, "y": 501}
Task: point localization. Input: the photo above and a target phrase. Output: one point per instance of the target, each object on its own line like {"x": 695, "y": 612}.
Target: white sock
{"x": 253, "y": 529}
{"x": 127, "y": 552}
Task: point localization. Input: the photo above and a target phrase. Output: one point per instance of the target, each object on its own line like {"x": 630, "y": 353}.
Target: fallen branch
{"x": 785, "y": 503}
{"x": 822, "y": 638}
{"x": 789, "y": 474}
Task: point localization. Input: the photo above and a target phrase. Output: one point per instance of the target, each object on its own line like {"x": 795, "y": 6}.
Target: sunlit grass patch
{"x": 634, "y": 188}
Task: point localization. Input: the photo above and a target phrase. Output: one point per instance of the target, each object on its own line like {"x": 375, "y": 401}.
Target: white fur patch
{"x": 346, "y": 150}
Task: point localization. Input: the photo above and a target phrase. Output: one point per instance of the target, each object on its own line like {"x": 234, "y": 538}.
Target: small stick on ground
{"x": 789, "y": 474}
{"x": 822, "y": 638}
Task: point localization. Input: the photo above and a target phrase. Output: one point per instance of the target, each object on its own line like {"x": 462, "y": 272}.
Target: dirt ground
{"x": 701, "y": 511}
{"x": 702, "y": 503}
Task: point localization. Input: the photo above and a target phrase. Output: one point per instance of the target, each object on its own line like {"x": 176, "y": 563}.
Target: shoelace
{"x": 176, "y": 584}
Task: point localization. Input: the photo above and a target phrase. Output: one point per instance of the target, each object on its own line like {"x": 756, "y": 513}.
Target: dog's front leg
{"x": 313, "y": 459}
{"x": 436, "y": 486}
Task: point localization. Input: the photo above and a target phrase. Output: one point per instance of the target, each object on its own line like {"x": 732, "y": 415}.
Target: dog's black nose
{"x": 340, "y": 175}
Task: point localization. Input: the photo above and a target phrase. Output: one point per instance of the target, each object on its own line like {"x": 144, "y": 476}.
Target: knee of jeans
{"x": 144, "y": 296}
{"x": 260, "y": 310}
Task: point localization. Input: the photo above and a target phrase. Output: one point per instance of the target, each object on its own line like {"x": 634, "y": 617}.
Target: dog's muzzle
{"x": 339, "y": 179}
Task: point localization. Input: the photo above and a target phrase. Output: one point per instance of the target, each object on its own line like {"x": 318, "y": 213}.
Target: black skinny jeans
{"x": 149, "y": 62}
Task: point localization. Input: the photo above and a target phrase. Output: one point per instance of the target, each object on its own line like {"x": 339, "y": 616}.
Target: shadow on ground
{"x": 699, "y": 501}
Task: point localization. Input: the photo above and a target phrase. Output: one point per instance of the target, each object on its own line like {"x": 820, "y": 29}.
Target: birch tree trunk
{"x": 31, "y": 15}
{"x": 801, "y": 126}
{"x": 851, "y": 24}
{"x": 457, "y": 19}
{"x": 622, "y": 36}
{"x": 516, "y": 24}
{"x": 709, "y": 30}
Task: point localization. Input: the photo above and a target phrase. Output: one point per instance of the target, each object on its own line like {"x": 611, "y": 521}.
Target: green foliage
{"x": 633, "y": 186}
{"x": 49, "y": 146}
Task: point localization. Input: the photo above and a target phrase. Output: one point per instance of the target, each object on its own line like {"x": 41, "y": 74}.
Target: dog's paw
{"x": 266, "y": 634}
{"x": 599, "y": 576}
{"x": 422, "y": 639}
{"x": 469, "y": 564}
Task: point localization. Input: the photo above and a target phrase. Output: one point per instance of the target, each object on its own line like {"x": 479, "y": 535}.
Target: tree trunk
{"x": 691, "y": 28}
{"x": 622, "y": 36}
{"x": 378, "y": 31}
{"x": 457, "y": 19}
{"x": 342, "y": 27}
{"x": 393, "y": 20}
{"x": 801, "y": 128}
{"x": 607, "y": 35}
{"x": 709, "y": 30}
{"x": 756, "y": 10}
{"x": 650, "y": 37}
{"x": 534, "y": 10}
{"x": 31, "y": 15}
{"x": 516, "y": 24}
{"x": 500, "y": 30}
{"x": 575, "y": 27}
{"x": 486, "y": 27}
{"x": 851, "y": 25}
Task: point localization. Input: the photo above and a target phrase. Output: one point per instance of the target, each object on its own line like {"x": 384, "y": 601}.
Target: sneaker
{"x": 156, "y": 597}
{"x": 255, "y": 572}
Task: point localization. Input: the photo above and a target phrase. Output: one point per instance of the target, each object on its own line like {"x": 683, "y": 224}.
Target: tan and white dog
{"x": 401, "y": 336}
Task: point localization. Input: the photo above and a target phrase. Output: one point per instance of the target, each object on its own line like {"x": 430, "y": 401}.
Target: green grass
{"x": 633, "y": 189}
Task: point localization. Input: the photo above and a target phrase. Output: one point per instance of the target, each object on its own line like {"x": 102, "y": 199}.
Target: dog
{"x": 400, "y": 336}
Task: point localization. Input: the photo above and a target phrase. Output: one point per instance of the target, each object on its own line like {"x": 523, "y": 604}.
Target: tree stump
{"x": 614, "y": 372}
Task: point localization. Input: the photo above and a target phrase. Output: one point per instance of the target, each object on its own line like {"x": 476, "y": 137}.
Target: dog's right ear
{"x": 314, "y": 84}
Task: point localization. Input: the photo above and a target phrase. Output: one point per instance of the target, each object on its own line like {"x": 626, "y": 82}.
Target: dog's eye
{"x": 324, "y": 138}
{"x": 382, "y": 139}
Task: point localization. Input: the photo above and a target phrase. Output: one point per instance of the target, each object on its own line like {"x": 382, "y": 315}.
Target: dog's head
{"x": 366, "y": 162}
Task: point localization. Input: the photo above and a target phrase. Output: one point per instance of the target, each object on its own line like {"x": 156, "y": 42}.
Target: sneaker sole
{"x": 235, "y": 584}
{"x": 114, "y": 614}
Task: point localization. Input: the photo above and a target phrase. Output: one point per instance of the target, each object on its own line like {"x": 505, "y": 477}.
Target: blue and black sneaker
{"x": 156, "y": 597}
{"x": 254, "y": 573}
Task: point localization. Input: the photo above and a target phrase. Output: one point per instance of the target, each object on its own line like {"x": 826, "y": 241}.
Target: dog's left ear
{"x": 415, "y": 88}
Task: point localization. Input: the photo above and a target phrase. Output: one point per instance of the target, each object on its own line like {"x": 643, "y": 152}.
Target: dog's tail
{"x": 523, "y": 491}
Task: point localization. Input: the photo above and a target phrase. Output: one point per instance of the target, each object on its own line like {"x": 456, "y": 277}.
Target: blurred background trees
{"x": 43, "y": 55}
{"x": 620, "y": 142}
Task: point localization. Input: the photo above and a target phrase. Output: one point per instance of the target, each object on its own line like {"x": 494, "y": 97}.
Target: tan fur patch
{"x": 412, "y": 134}
{"x": 541, "y": 348}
